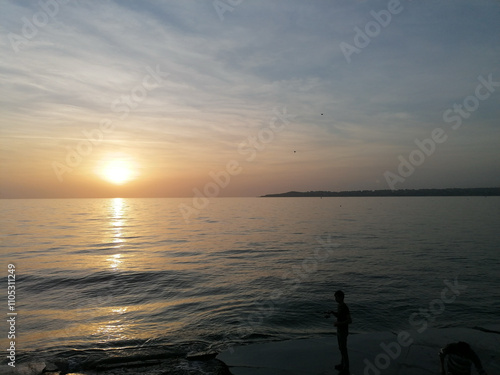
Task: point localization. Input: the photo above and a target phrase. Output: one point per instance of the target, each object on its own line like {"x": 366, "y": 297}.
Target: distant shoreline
{"x": 452, "y": 192}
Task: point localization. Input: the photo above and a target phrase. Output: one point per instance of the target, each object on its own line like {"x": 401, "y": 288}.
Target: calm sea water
{"x": 130, "y": 277}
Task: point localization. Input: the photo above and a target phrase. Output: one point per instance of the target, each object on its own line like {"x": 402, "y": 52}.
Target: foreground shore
{"x": 408, "y": 353}
{"x": 378, "y": 353}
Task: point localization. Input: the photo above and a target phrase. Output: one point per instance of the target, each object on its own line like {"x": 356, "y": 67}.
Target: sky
{"x": 247, "y": 97}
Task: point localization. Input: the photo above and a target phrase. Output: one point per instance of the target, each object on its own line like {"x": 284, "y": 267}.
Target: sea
{"x": 105, "y": 285}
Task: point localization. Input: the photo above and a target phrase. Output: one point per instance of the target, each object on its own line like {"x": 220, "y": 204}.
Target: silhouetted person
{"x": 460, "y": 359}
{"x": 343, "y": 316}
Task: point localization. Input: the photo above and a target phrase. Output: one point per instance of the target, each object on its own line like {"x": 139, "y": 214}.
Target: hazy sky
{"x": 247, "y": 97}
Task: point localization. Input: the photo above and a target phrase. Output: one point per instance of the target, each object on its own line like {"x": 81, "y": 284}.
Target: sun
{"x": 118, "y": 171}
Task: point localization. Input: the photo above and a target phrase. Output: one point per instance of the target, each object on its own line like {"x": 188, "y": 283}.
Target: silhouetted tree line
{"x": 452, "y": 192}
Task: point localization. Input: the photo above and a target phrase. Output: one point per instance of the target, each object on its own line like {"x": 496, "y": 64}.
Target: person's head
{"x": 339, "y": 296}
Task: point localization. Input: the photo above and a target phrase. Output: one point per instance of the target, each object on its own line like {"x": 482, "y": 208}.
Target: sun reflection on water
{"x": 117, "y": 327}
{"x": 117, "y": 206}
{"x": 118, "y": 219}
{"x": 117, "y": 224}
{"x": 115, "y": 261}
{"x": 113, "y": 330}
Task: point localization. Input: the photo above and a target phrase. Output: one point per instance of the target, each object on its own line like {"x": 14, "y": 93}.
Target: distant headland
{"x": 452, "y": 192}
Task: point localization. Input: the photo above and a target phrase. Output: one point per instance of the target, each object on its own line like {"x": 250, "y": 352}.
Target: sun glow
{"x": 118, "y": 171}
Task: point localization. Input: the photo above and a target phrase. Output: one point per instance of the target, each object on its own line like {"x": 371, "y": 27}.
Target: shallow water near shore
{"x": 108, "y": 282}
